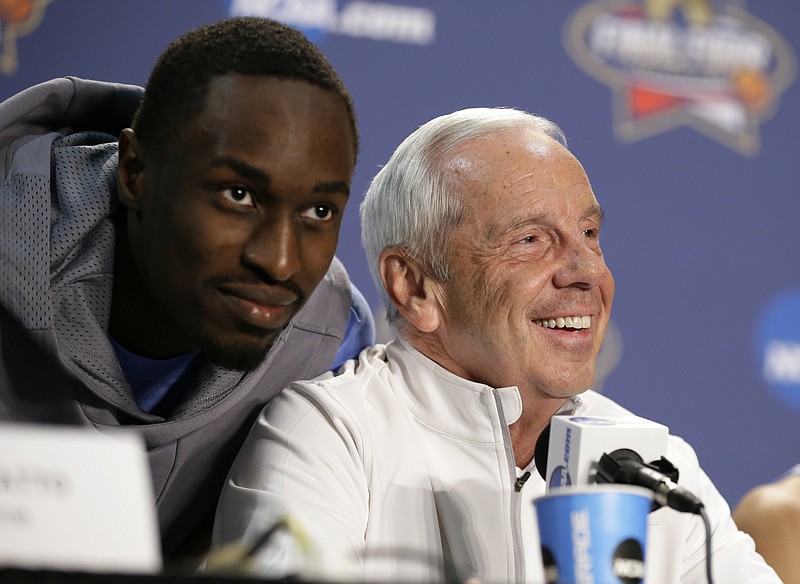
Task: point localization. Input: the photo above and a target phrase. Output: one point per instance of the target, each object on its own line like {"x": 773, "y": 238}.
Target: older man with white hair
{"x": 415, "y": 462}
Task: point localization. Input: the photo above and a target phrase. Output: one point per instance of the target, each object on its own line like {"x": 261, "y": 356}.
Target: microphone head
{"x": 622, "y": 454}
{"x": 618, "y": 466}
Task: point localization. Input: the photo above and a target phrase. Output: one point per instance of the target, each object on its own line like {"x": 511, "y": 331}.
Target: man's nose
{"x": 274, "y": 249}
{"x": 583, "y": 266}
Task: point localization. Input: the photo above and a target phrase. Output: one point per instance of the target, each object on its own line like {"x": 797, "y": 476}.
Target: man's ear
{"x": 413, "y": 291}
{"x": 130, "y": 181}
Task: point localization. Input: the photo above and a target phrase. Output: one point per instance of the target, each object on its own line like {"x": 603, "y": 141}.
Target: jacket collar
{"x": 455, "y": 406}
{"x": 450, "y": 404}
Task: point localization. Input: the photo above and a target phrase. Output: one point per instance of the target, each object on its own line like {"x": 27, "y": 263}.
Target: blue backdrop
{"x": 687, "y": 121}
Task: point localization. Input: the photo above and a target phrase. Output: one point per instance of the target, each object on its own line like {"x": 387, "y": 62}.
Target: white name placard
{"x": 76, "y": 499}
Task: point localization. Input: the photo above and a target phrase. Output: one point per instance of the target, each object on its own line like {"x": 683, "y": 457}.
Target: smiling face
{"x": 236, "y": 225}
{"x": 530, "y": 300}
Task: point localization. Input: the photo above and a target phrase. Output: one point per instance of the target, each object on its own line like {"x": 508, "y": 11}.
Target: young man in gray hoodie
{"x": 167, "y": 255}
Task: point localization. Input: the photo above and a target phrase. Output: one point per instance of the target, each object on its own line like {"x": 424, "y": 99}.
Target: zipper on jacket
{"x": 516, "y": 528}
{"x": 520, "y": 482}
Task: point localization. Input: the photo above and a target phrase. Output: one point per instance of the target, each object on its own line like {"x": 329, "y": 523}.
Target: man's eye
{"x": 319, "y": 213}
{"x": 529, "y": 239}
{"x": 238, "y": 195}
{"x": 593, "y": 233}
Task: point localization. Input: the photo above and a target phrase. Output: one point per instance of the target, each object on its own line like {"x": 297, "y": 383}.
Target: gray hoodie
{"x": 58, "y": 161}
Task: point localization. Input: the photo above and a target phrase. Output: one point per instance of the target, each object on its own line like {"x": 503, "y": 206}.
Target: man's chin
{"x": 569, "y": 385}
{"x": 242, "y": 348}
{"x": 237, "y": 358}
{"x": 240, "y": 356}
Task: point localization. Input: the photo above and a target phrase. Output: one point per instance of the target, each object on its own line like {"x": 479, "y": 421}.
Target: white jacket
{"x": 404, "y": 472}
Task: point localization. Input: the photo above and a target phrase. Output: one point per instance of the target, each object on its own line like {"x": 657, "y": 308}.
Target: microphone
{"x": 626, "y": 467}
{"x": 587, "y": 450}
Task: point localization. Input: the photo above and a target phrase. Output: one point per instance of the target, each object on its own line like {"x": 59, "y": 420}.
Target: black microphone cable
{"x": 707, "y": 525}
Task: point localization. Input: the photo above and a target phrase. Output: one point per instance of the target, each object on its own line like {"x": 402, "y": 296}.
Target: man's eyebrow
{"x": 499, "y": 227}
{"x": 242, "y": 168}
{"x": 259, "y": 175}
{"x": 596, "y": 211}
{"x": 337, "y": 186}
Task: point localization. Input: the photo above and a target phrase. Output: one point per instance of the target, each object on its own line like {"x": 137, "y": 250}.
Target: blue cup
{"x": 594, "y": 534}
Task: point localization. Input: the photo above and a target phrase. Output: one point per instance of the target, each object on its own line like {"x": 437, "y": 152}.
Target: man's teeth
{"x": 575, "y": 322}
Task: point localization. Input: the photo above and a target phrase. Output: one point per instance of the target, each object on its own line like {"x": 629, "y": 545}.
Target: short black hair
{"x": 248, "y": 45}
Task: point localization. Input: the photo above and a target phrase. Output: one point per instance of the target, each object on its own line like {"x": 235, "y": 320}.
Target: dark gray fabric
{"x": 57, "y": 199}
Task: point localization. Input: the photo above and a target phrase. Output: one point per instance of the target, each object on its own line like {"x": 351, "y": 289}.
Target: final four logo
{"x": 669, "y": 63}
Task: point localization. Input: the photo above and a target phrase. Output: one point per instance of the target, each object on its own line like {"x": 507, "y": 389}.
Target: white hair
{"x": 410, "y": 203}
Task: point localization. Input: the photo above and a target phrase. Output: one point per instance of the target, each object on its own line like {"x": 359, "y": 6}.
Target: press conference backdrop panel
{"x": 686, "y": 116}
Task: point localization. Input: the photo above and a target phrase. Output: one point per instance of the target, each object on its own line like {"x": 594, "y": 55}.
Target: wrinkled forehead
{"x": 476, "y": 157}
{"x": 514, "y": 164}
